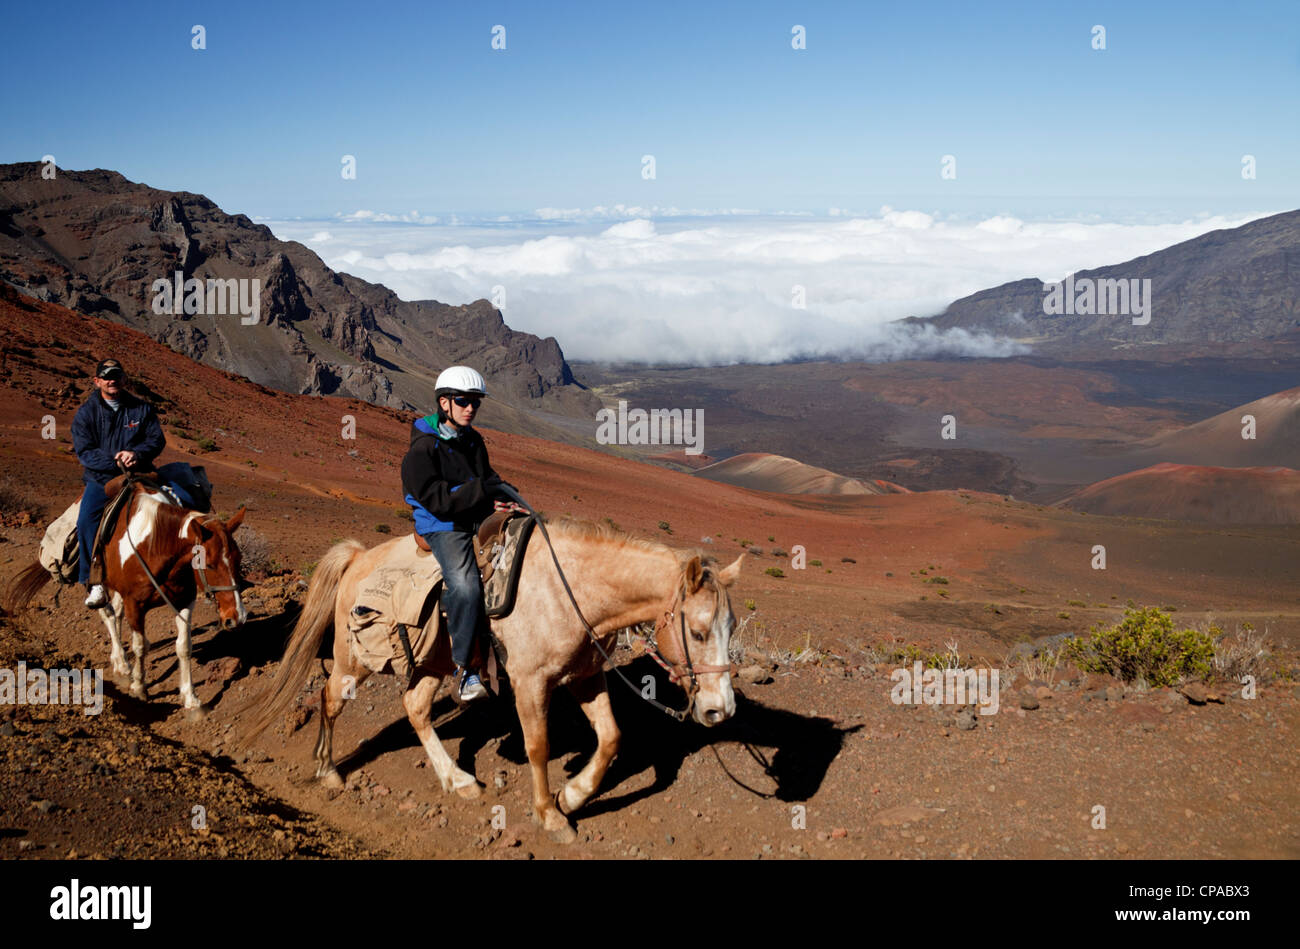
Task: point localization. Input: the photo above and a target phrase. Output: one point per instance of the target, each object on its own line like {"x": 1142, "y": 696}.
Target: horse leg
{"x": 112, "y": 617}
{"x": 593, "y": 695}
{"x": 194, "y": 710}
{"x": 418, "y": 702}
{"x": 139, "y": 647}
{"x": 532, "y": 701}
{"x": 341, "y": 686}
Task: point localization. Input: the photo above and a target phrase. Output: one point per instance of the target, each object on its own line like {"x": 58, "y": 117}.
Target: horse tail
{"x": 304, "y": 643}
{"x": 21, "y": 588}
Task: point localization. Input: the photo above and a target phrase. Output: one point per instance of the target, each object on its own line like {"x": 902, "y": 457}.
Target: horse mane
{"x": 578, "y": 528}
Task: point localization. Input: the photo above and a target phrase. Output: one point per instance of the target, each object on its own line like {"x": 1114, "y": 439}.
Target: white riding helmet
{"x": 460, "y": 379}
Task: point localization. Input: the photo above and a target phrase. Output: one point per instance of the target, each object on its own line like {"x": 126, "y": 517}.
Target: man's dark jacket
{"x": 99, "y": 433}
{"x": 448, "y": 482}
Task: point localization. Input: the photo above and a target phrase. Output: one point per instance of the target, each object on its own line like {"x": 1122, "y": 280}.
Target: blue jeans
{"x": 462, "y": 590}
{"x": 93, "y": 503}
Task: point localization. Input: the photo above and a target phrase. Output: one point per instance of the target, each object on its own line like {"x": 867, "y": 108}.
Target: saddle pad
{"x": 59, "y": 547}
{"x": 505, "y": 558}
{"x": 396, "y": 592}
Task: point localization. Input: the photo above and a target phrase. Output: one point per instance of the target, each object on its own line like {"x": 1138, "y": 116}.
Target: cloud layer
{"x": 725, "y": 288}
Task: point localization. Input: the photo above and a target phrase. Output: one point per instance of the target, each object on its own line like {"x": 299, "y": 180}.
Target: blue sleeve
{"x": 154, "y": 441}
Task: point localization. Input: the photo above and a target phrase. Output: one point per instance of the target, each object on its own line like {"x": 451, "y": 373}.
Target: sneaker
{"x": 471, "y": 686}
{"x": 97, "y": 598}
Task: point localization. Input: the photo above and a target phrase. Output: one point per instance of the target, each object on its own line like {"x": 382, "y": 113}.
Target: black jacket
{"x": 99, "y": 433}
{"x": 449, "y": 482}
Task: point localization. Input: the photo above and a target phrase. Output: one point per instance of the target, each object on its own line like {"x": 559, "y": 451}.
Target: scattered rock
{"x": 224, "y": 669}
{"x": 1028, "y": 701}
{"x": 966, "y": 719}
{"x": 839, "y": 833}
{"x": 7, "y": 729}
{"x": 297, "y": 717}
{"x": 1043, "y": 692}
{"x": 1194, "y": 692}
{"x": 1114, "y": 693}
{"x": 754, "y": 675}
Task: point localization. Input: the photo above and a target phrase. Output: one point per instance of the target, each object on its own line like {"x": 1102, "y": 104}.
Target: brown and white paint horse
{"x": 617, "y": 581}
{"x": 153, "y": 533}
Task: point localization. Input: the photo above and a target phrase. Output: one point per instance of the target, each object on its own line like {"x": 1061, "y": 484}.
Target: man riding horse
{"x": 111, "y": 426}
{"x": 451, "y": 488}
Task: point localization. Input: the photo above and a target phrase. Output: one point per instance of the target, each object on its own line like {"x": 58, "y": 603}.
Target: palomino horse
{"x": 158, "y": 553}
{"x": 617, "y": 581}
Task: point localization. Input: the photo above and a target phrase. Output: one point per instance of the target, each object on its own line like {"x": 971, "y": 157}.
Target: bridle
{"x": 678, "y": 671}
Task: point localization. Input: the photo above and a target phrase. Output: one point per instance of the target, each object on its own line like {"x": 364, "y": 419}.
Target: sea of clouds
{"x": 629, "y": 284}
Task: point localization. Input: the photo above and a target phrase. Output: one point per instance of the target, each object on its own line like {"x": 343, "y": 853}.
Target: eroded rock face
{"x": 96, "y": 242}
{"x": 1227, "y": 286}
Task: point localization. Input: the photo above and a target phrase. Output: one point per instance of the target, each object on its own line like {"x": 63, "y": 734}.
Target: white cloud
{"x": 720, "y": 289}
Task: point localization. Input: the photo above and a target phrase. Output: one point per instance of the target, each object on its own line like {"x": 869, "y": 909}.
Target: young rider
{"x": 451, "y": 488}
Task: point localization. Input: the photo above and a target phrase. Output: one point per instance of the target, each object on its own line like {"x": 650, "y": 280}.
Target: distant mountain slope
{"x": 95, "y": 242}
{"x": 1237, "y": 285}
{"x": 1196, "y": 493}
{"x": 1218, "y": 440}
{"x": 764, "y": 472}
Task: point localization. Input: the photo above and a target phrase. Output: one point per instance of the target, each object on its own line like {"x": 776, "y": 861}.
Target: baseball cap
{"x": 109, "y": 368}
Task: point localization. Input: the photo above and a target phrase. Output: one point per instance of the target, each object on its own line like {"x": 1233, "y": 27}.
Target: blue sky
{"x": 1041, "y": 125}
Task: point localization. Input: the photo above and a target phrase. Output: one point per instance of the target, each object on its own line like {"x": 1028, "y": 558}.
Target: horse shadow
{"x": 257, "y": 643}
{"x": 792, "y": 751}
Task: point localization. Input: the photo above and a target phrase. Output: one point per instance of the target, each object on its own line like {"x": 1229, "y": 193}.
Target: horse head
{"x": 695, "y": 636}
{"x": 216, "y": 569}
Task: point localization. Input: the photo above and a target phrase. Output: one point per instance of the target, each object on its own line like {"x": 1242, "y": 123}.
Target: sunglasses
{"x": 464, "y": 400}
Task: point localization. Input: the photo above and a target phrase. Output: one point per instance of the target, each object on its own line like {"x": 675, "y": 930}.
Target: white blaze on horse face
{"x": 716, "y": 694}
{"x": 240, "y": 613}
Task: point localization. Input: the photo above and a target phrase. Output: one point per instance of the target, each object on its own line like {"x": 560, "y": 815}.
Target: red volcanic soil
{"x": 1197, "y": 493}
{"x": 761, "y": 471}
{"x": 884, "y": 573}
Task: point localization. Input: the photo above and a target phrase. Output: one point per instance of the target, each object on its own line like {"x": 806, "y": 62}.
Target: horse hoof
{"x": 138, "y": 692}
{"x": 470, "y": 791}
{"x": 196, "y": 714}
{"x": 331, "y": 780}
{"x": 564, "y": 835}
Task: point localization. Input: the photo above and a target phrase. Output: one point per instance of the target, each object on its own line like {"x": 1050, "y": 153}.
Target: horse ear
{"x": 693, "y": 574}
{"x": 729, "y": 575}
{"x": 236, "y": 520}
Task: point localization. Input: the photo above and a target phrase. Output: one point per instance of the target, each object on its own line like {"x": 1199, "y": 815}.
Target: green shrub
{"x": 383, "y": 528}
{"x": 404, "y": 513}
{"x": 943, "y": 580}
{"x": 751, "y": 605}
{"x": 1076, "y": 603}
{"x": 205, "y": 444}
{"x": 1144, "y": 646}
{"x": 774, "y": 572}
{"x": 814, "y": 563}
{"x": 663, "y": 526}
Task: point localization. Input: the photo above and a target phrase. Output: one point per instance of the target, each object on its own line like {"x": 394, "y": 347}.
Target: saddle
{"x": 394, "y": 624}
{"x": 499, "y": 548}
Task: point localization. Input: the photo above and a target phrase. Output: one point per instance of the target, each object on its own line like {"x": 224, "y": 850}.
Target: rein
{"x": 674, "y": 672}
